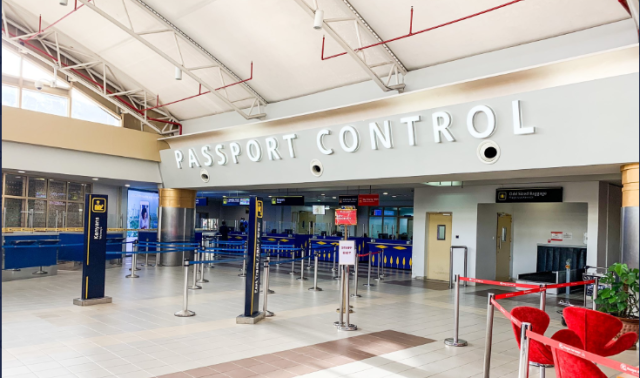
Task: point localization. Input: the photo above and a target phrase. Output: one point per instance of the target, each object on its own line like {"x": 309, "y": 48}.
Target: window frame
{"x": 21, "y": 83}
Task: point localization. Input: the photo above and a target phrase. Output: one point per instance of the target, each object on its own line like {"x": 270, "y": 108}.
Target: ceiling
{"x": 278, "y": 37}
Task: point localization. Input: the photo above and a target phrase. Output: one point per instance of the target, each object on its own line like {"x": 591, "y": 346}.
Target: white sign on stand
{"x": 347, "y": 252}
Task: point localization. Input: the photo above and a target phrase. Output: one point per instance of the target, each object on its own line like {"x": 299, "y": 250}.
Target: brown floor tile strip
{"x": 305, "y": 360}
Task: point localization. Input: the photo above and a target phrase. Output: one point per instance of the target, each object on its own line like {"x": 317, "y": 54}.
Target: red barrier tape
{"x": 519, "y": 293}
{"x": 507, "y": 284}
{"x": 506, "y": 313}
{"x": 366, "y": 254}
{"x": 570, "y": 284}
{"x": 613, "y": 364}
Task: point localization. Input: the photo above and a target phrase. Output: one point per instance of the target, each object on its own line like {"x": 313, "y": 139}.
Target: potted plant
{"x": 620, "y": 298}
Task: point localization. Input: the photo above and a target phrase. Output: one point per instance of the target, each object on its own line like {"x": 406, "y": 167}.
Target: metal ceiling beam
{"x": 354, "y": 55}
{"x": 169, "y": 59}
{"x": 182, "y": 35}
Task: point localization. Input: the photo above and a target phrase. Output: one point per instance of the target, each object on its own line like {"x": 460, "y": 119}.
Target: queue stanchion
{"x": 355, "y": 280}
{"x": 584, "y": 293}
{"x": 134, "y": 260}
{"x": 333, "y": 267}
{"x": 594, "y": 293}
{"x": 369, "y": 284}
{"x": 455, "y": 341}
{"x": 202, "y": 279}
{"x": 309, "y": 254}
{"x": 380, "y": 278}
{"x": 340, "y": 321}
{"x": 293, "y": 263}
{"x": 346, "y": 326}
{"x": 302, "y": 277}
{"x": 265, "y": 291}
{"x": 315, "y": 274}
{"x": 543, "y": 297}
{"x": 382, "y": 275}
{"x": 278, "y": 254}
{"x": 488, "y": 337}
{"x": 338, "y": 270}
{"x": 523, "y": 366}
{"x": 185, "y": 311}
{"x": 194, "y": 285}
{"x": 243, "y": 272}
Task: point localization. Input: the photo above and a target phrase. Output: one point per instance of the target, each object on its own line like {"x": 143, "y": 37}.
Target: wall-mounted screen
{"x": 288, "y": 201}
{"x": 142, "y": 213}
{"x": 318, "y": 209}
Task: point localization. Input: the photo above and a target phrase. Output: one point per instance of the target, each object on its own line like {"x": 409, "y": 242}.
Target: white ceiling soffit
{"x": 80, "y": 64}
{"x": 278, "y": 36}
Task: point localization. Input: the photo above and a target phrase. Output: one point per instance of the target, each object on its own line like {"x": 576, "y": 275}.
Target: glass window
{"x": 83, "y": 107}
{"x": 14, "y": 185}
{"x": 57, "y": 212}
{"x": 76, "y": 191}
{"x": 57, "y": 190}
{"x": 37, "y": 187}
{"x": 9, "y": 95}
{"x": 375, "y": 227}
{"x": 442, "y": 232}
{"x": 33, "y": 72}
{"x": 406, "y": 211}
{"x": 13, "y": 212}
{"x": 74, "y": 214}
{"x": 44, "y": 102}
{"x": 10, "y": 63}
{"x": 390, "y": 225}
{"x": 38, "y": 212}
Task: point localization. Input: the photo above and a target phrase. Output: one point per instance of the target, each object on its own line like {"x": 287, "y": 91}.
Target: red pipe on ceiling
{"x": 40, "y": 30}
{"x": 411, "y": 33}
{"x": 200, "y": 93}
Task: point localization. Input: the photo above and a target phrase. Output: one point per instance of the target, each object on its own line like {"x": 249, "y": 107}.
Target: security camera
{"x": 39, "y": 84}
{"x": 488, "y": 152}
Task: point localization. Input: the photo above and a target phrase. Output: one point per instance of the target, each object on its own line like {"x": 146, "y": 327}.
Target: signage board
{"x": 347, "y": 252}
{"x": 235, "y": 201}
{"x": 202, "y": 201}
{"x": 252, "y": 281}
{"x": 528, "y": 195}
{"x": 348, "y": 200}
{"x": 287, "y": 201}
{"x": 368, "y": 200}
{"x": 95, "y": 253}
{"x": 347, "y": 217}
{"x": 318, "y": 209}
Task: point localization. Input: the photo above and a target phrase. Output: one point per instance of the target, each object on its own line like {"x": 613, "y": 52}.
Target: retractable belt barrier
{"x": 527, "y": 334}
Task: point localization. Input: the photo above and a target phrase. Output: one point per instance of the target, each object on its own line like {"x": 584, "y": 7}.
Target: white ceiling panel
{"x": 278, "y": 37}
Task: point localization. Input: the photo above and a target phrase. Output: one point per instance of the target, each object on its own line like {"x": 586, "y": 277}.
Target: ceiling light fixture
{"x": 443, "y": 183}
{"x": 127, "y": 185}
{"x": 333, "y": 197}
{"x": 393, "y": 196}
{"x": 95, "y": 179}
{"x": 20, "y": 171}
{"x": 385, "y": 193}
{"x": 318, "y": 18}
{"x": 64, "y": 2}
{"x": 178, "y": 73}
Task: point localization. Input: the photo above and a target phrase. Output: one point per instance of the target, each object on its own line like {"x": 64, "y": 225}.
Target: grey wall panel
{"x": 630, "y": 231}
{"x": 177, "y": 225}
{"x": 574, "y": 123}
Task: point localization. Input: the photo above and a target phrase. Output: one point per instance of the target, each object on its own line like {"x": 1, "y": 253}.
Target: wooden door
{"x": 439, "y": 246}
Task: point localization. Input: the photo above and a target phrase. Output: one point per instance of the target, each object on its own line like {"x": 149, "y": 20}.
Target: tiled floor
{"x": 137, "y": 335}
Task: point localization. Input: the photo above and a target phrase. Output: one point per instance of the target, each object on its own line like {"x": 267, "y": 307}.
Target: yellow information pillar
{"x": 630, "y": 223}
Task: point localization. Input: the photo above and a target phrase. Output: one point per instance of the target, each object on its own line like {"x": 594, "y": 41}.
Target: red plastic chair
{"x": 596, "y": 330}
{"x": 539, "y": 354}
{"x": 570, "y": 366}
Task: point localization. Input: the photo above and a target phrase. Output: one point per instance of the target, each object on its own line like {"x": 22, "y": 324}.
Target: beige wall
{"x": 25, "y": 126}
{"x": 607, "y": 64}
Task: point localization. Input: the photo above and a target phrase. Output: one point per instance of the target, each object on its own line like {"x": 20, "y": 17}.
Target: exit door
{"x": 503, "y": 247}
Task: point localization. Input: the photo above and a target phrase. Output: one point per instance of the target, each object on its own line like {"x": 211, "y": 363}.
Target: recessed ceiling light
{"x": 322, "y": 194}
{"x": 127, "y": 185}
{"x": 333, "y": 197}
{"x": 95, "y": 179}
{"x": 318, "y": 200}
{"x": 270, "y": 196}
{"x": 20, "y": 171}
{"x": 385, "y": 193}
{"x": 393, "y": 196}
